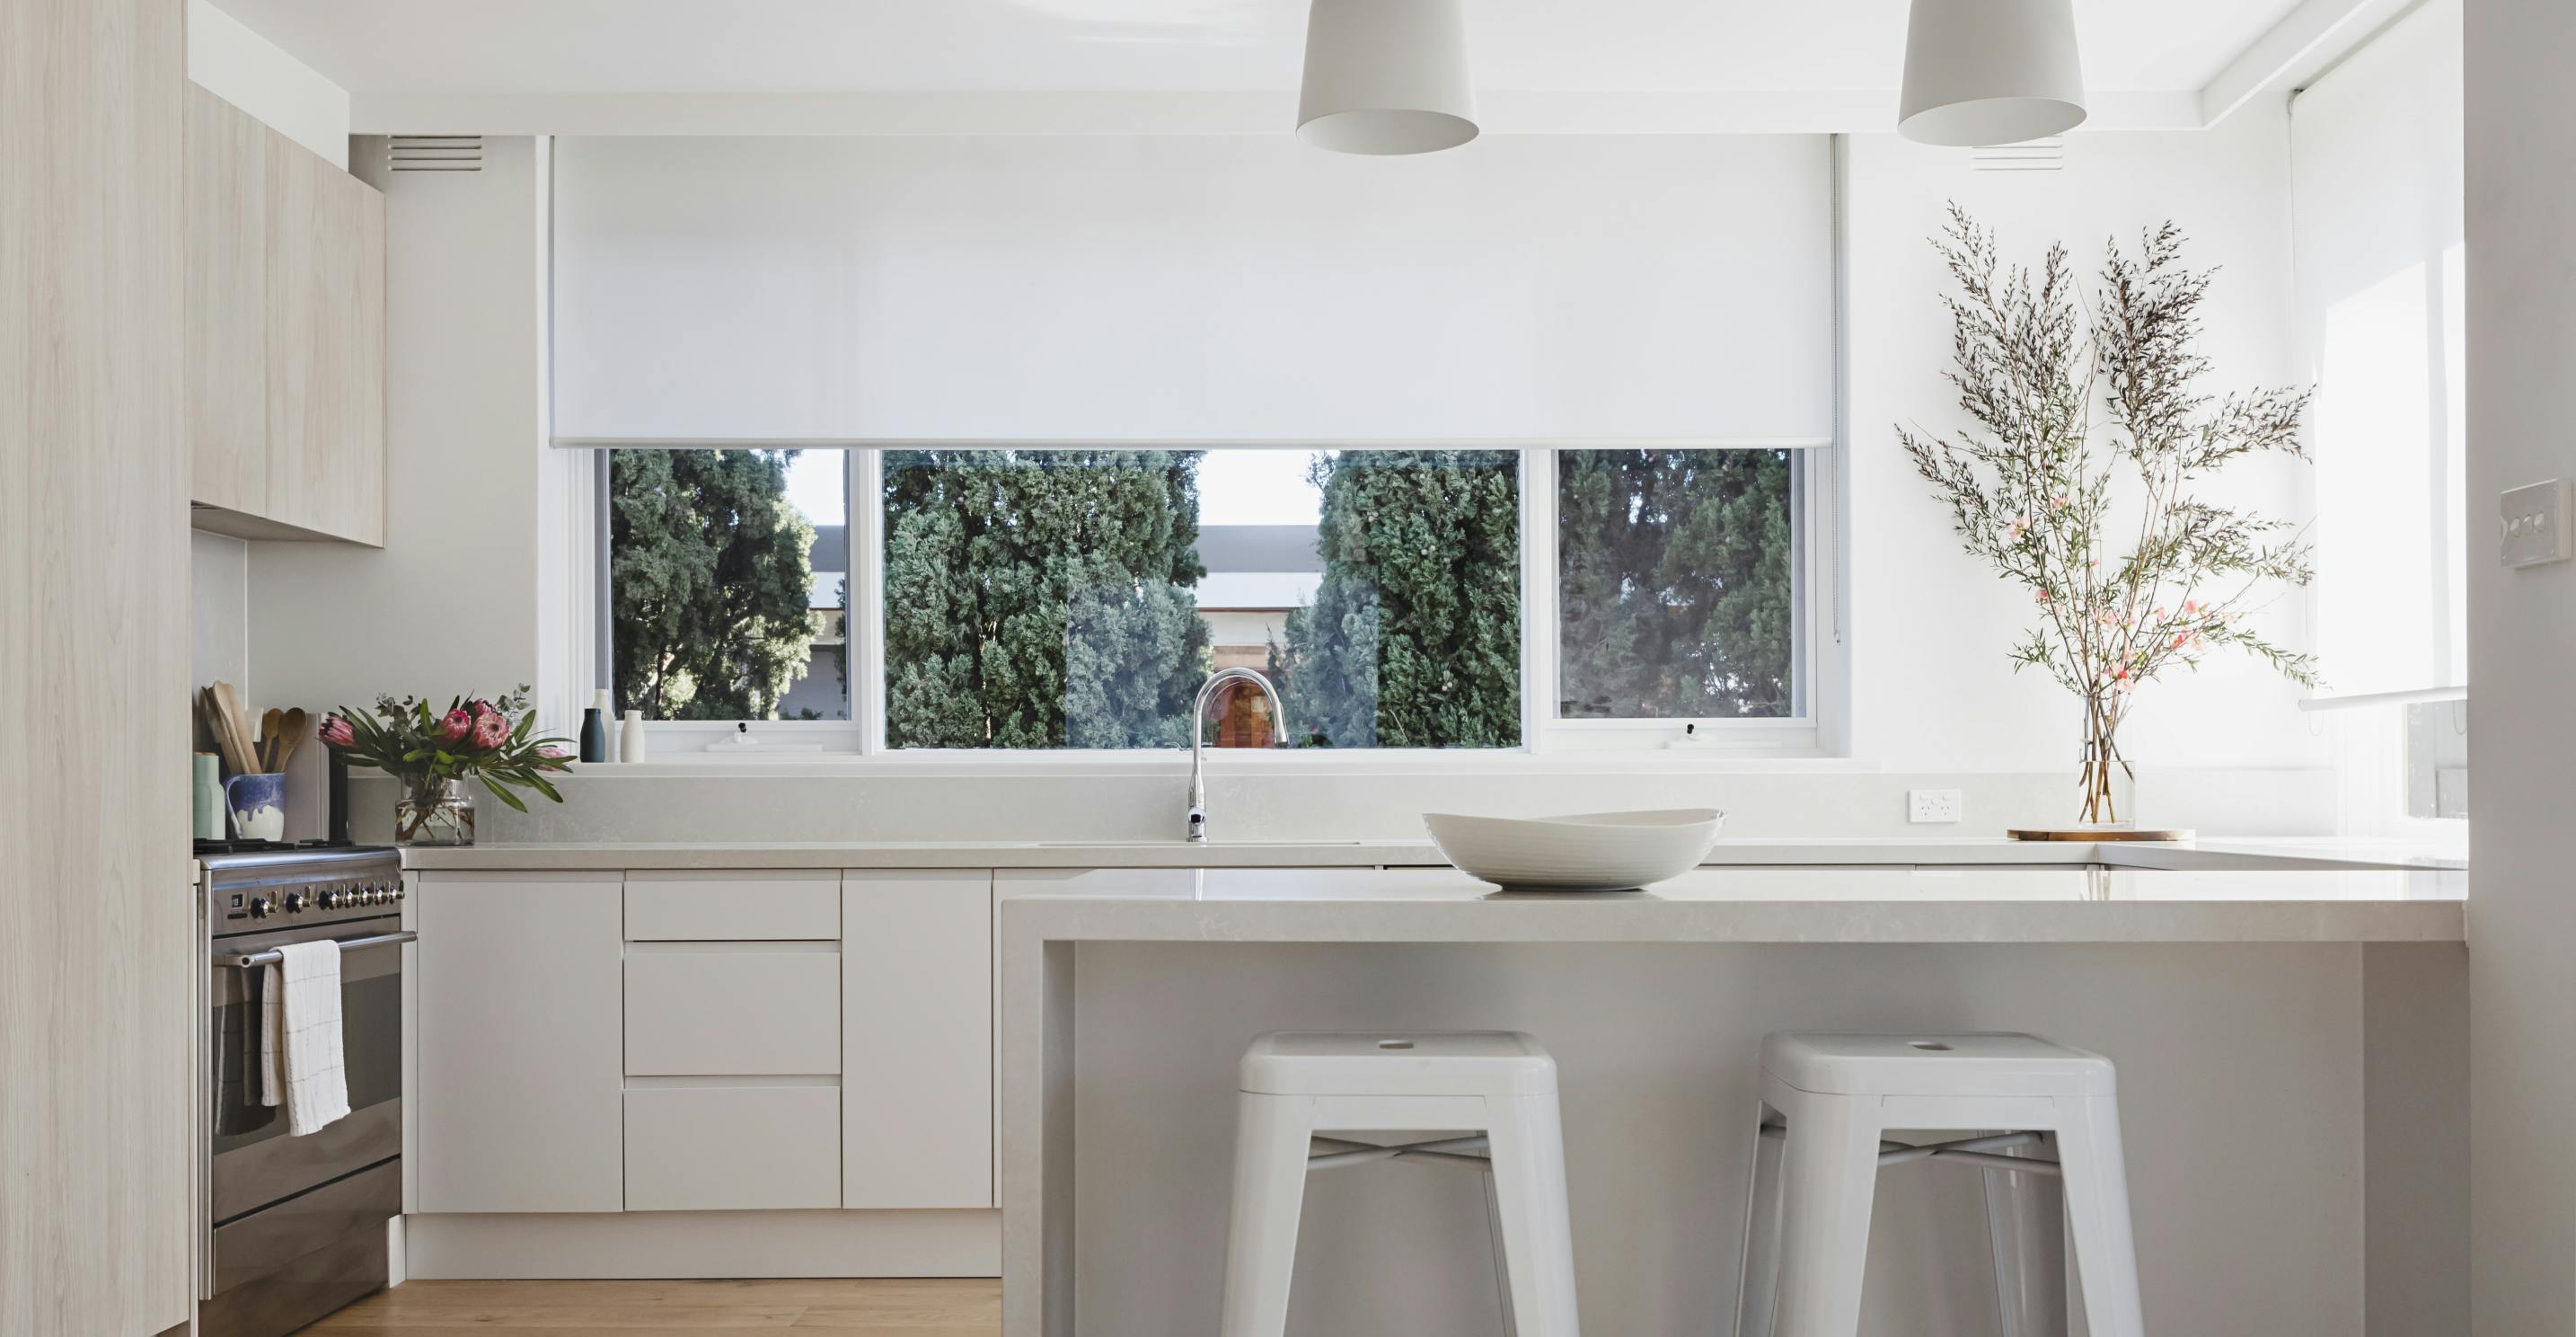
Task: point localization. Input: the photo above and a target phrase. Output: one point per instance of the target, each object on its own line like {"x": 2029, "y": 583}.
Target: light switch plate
{"x": 2534, "y": 521}
{"x": 1924, "y": 806}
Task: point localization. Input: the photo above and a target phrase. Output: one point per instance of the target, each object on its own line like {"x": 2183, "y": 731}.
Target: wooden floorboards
{"x": 970, "y": 1307}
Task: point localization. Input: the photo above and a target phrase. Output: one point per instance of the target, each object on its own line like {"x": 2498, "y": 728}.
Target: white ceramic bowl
{"x": 1600, "y": 851}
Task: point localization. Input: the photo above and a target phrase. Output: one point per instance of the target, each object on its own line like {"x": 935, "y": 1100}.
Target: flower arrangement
{"x": 430, "y": 751}
{"x": 2035, "y": 493}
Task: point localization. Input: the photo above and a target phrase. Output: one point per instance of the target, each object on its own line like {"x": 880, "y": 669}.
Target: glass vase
{"x": 434, "y": 812}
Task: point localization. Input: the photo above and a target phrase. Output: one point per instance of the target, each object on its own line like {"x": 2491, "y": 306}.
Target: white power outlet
{"x": 1931, "y": 805}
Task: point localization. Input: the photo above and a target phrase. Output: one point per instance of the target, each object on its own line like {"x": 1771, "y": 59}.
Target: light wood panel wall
{"x": 98, "y": 963}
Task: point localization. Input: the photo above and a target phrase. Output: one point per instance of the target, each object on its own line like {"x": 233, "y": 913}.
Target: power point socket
{"x": 1932, "y": 805}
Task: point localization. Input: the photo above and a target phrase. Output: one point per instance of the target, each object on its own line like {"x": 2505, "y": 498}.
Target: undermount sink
{"x": 1178, "y": 841}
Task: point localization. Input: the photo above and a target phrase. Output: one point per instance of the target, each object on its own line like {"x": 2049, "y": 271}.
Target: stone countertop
{"x": 1891, "y": 904}
{"x": 2238, "y": 854}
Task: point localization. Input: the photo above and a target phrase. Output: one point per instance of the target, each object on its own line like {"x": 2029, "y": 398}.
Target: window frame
{"x": 1812, "y": 733}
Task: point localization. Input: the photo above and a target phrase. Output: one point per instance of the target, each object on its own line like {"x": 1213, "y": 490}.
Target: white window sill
{"x": 1221, "y": 761}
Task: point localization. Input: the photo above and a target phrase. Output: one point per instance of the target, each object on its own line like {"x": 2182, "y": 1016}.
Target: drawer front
{"x": 732, "y": 1148}
{"x": 733, "y": 907}
{"x": 725, "y": 1009}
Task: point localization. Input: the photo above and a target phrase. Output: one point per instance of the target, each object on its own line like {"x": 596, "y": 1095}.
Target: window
{"x": 1077, "y": 598}
{"x": 1040, "y": 597}
{"x": 1676, "y": 584}
{"x": 728, "y": 584}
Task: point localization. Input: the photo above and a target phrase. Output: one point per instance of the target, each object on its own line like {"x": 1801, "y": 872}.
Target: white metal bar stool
{"x": 1827, "y": 1101}
{"x": 1499, "y": 1084}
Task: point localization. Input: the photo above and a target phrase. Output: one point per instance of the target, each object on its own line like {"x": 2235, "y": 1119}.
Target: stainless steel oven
{"x": 296, "y": 1225}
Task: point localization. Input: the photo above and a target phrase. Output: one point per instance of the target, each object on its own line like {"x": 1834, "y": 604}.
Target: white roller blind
{"x": 2377, "y": 192}
{"x": 1218, "y": 287}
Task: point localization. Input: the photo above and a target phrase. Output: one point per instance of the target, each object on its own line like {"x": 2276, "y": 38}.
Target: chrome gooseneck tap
{"x": 1198, "y": 745}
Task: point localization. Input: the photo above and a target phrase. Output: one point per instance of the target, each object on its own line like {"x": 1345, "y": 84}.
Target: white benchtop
{"x": 1935, "y": 851}
{"x": 1752, "y": 904}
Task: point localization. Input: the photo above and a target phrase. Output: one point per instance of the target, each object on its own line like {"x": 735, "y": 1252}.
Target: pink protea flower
{"x": 337, "y": 732}
{"x": 480, "y": 707}
{"x": 552, "y": 753}
{"x": 455, "y": 726}
{"x": 491, "y": 731}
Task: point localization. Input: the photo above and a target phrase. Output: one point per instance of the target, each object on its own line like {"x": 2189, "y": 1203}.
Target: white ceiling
{"x": 703, "y": 46}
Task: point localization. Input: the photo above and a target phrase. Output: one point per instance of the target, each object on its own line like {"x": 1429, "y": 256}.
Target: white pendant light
{"x": 1990, "y": 72}
{"x": 1386, "y": 76}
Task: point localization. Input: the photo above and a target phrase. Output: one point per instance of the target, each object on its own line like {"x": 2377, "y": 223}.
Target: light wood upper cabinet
{"x": 286, "y": 334}
{"x": 226, "y": 185}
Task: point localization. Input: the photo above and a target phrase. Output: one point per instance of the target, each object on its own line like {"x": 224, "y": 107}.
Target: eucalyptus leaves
{"x": 2090, "y": 422}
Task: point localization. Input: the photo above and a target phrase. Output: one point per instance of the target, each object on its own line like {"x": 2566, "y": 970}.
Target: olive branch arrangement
{"x": 2033, "y": 489}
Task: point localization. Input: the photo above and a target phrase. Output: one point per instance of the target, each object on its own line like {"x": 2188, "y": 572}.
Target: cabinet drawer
{"x": 733, "y": 907}
{"x": 732, "y": 1148}
{"x": 726, "y": 1008}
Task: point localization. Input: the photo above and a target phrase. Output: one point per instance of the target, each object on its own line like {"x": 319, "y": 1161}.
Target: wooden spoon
{"x": 299, "y": 726}
{"x": 272, "y": 727}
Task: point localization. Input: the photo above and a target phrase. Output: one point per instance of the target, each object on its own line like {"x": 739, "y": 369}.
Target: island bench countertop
{"x": 1766, "y": 905}
{"x": 2237, "y": 854}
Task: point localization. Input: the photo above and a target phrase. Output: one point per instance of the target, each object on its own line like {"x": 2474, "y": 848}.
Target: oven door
{"x": 253, "y": 1162}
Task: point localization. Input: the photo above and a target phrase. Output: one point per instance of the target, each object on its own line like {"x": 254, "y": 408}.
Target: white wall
{"x": 252, "y": 73}
{"x": 1931, "y": 626}
{"x": 2522, "y": 636}
{"x": 219, "y": 611}
{"x": 451, "y": 603}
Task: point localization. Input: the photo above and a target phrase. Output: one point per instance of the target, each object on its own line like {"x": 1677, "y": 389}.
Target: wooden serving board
{"x": 2099, "y": 833}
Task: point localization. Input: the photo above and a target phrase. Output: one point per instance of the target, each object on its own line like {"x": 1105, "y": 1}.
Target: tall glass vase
{"x": 433, "y": 812}
{"x": 2101, "y": 758}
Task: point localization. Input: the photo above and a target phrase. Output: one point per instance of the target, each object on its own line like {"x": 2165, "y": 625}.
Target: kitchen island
{"x": 2291, "y": 1044}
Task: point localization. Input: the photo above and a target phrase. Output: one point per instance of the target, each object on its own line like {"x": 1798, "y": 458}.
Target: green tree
{"x": 1414, "y": 636}
{"x": 1042, "y": 598}
{"x": 1675, "y": 589}
{"x": 708, "y": 565}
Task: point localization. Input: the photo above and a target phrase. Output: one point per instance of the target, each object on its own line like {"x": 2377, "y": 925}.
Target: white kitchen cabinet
{"x": 796, "y": 904}
{"x": 517, "y": 1103}
{"x": 917, "y": 1039}
{"x": 732, "y": 1148}
{"x": 695, "y": 1009}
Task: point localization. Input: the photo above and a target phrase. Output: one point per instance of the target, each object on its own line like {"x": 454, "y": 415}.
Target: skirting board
{"x": 661, "y": 1245}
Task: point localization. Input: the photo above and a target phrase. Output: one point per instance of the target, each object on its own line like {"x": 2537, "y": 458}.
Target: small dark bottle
{"x": 594, "y": 729}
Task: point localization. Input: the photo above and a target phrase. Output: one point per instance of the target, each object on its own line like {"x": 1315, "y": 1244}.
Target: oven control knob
{"x": 260, "y": 906}
{"x": 295, "y": 902}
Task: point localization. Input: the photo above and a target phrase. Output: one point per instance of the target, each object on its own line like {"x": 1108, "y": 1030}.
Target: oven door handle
{"x": 246, "y": 960}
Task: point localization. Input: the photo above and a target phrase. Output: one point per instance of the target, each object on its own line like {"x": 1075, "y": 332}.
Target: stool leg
{"x": 2097, "y": 1210}
{"x": 1271, "y": 1138}
{"x": 1758, "y": 1291}
{"x": 1828, "y": 1178}
{"x": 1528, "y": 1148}
{"x": 2026, "y": 1223}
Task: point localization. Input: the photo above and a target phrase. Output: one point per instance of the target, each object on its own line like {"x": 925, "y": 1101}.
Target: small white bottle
{"x": 630, "y": 746}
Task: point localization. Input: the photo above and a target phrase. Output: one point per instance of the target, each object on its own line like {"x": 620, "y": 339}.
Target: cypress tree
{"x": 709, "y": 573}
{"x": 1675, "y": 596}
{"x": 1413, "y": 638}
{"x": 1041, "y": 598}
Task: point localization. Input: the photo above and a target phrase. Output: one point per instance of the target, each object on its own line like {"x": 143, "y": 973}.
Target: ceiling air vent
{"x": 434, "y": 153}
{"x": 2035, "y": 155}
